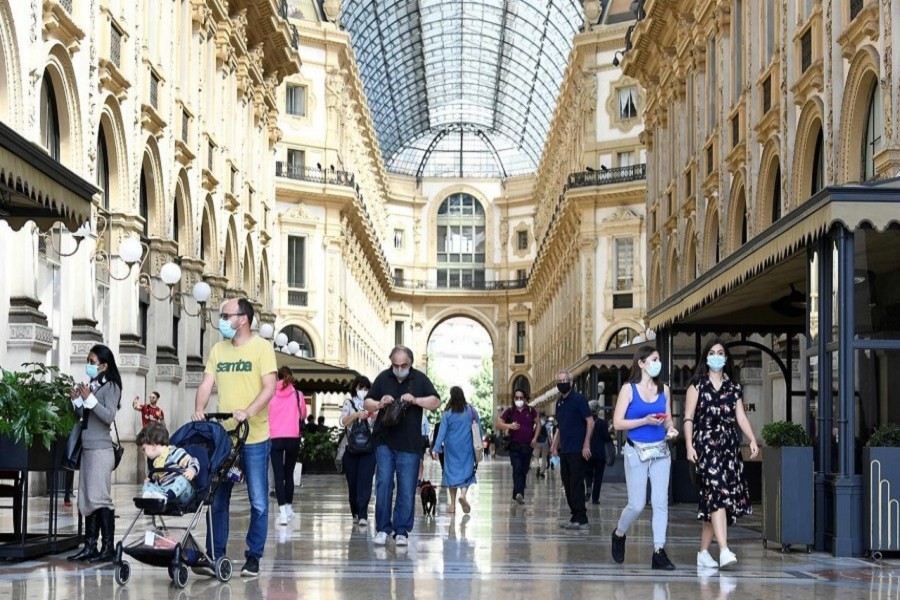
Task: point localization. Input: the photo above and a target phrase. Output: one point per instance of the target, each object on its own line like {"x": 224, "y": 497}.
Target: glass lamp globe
{"x": 266, "y": 331}
{"x": 201, "y": 291}
{"x": 131, "y": 250}
{"x": 170, "y": 273}
{"x": 281, "y": 340}
{"x": 293, "y": 348}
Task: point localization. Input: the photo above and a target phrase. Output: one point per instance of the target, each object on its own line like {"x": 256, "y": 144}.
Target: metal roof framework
{"x": 462, "y": 87}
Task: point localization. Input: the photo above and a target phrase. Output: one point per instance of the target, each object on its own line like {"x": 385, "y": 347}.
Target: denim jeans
{"x": 181, "y": 488}
{"x": 405, "y": 465}
{"x": 255, "y": 464}
{"x": 520, "y": 459}
{"x": 359, "y": 469}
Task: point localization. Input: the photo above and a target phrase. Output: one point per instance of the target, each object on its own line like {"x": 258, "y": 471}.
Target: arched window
{"x": 103, "y": 166}
{"x": 776, "y": 195}
{"x": 818, "y": 165}
{"x": 144, "y": 208}
{"x": 621, "y": 338}
{"x": 521, "y": 383}
{"x": 296, "y": 334}
{"x": 874, "y": 131}
{"x": 176, "y": 224}
{"x": 460, "y": 242}
{"x": 49, "y": 117}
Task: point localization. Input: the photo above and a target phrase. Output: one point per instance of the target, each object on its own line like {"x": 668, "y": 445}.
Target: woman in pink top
{"x": 286, "y": 410}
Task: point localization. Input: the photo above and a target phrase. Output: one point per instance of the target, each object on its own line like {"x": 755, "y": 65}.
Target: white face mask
{"x": 520, "y": 403}
{"x": 361, "y": 394}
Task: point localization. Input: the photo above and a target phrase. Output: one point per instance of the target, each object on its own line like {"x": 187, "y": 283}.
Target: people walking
{"x": 644, "y": 411}
{"x": 398, "y": 442}
{"x": 714, "y": 419}
{"x": 242, "y": 366}
{"x": 96, "y": 404}
{"x": 572, "y": 444}
{"x": 596, "y": 465}
{"x": 522, "y": 423}
{"x": 358, "y": 464}
{"x": 455, "y": 441}
{"x": 542, "y": 448}
{"x": 286, "y": 410}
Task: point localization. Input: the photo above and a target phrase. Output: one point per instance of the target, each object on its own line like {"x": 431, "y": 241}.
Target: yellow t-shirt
{"x": 238, "y": 372}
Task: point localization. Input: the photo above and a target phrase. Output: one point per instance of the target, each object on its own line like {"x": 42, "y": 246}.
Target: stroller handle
{"x": 218, "y": 416}
{"x": 242, "y": 430}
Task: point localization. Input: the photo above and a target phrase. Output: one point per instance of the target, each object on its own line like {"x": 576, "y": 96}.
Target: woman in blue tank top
{"x": 644, "y": 412}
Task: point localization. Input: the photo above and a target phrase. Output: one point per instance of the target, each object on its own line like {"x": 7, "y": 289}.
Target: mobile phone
{"x": 661, "y": 415}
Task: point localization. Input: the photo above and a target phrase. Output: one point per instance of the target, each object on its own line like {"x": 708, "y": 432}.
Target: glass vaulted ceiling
{"x": 462, "y": 88}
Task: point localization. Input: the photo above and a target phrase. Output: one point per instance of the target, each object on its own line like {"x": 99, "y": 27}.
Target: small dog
{"x": 429, "y": 498}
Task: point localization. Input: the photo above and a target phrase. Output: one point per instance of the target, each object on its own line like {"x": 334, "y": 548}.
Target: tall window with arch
{"x": 460, "y": 242}
{"x": 871, "y": 142}
{"x": 295, "y": 333}
{"x": 103, "y": 166}
{"x": 621, "y": 338}
{"x": 50, "y": 137}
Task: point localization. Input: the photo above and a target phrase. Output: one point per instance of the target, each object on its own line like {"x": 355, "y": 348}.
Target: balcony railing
{"x": 419, "y": 284}
{"x": 327, "y": 176}
{"x": 607, "y": 176}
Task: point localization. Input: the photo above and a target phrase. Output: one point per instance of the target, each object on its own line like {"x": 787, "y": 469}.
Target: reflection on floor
{"x": 501, "y": 550}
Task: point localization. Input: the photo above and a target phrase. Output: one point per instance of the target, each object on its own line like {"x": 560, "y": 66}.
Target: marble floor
{"x": 501, "y": 550}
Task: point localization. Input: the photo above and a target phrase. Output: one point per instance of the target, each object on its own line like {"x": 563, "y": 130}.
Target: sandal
{"x": 465, "y": 505}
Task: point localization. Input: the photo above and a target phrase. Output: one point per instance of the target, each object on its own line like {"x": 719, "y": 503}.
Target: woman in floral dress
{"x": 714, "y": 411}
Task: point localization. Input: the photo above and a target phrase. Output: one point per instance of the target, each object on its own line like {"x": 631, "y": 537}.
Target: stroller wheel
{"x": 171, "y": 572}
{"x": 223, "y": 568}
{"x": 122, "y": 573}
{"x": 181, "y": 576}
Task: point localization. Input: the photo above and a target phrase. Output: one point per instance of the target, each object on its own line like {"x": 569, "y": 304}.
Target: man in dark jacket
{"x": 596, "y": 465}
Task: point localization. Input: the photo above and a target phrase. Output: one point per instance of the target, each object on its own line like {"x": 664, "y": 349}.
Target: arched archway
{"x": 711, "y": 249}
{"x": 738, "y": 230}
{"x": 299, "y": 334}
{"x": 59, "y": 93}
{"x": 521, "y": 382}
{"x": 231, "y": 267}
{"x": 861, "y": 110}
{"x": 263, "y": 293}
{"x": 621, "y": 337}
{"x": 248, "y": 270}
{"x": 182, "y": 222}
{"x": 769, "y": 188}
{"x": 151, "y": 204}
{"x": 655, "y": 284}
{"x": 209, "y": 245}
{"x": 111, "y": 143}
{"x": 460, "y": 351}
{"x": 672, "y": 271}
{"x": 11, "y": 100}
{"x": 689, "y": 256}
{"x": 460, "y": 232}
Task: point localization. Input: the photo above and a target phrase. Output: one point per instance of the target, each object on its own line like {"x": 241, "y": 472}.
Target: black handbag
{"x": 118, "y": 449}
{"x": 72, "y": 459}
{"x": 359, "y": 436}
{"x": 392, "y": 413}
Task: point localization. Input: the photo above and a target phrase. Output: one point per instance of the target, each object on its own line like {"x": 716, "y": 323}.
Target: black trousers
{"x": 284, "y": 456}
{"x": 593, "y": 477}
{"x": 360, "y": 471}
{"x": 520, "y": 458}
{"x": 571, "y": 469}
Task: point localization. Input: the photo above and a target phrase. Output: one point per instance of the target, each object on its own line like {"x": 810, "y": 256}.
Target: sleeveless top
{"x": 638, "y": 408}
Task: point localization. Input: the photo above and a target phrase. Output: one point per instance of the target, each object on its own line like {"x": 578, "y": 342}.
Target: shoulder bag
{"x": 118, "y": 449}
{"x": 359, "y": 436}
{"x": 477, "y": 444}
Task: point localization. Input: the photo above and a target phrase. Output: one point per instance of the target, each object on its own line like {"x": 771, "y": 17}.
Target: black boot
{"x": 91, "y": 525}
{"x": 107, "y": 530}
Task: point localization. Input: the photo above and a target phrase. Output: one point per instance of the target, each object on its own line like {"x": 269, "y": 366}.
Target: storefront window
{"x": 813, "y": 298}
{"x": 876, "y": 292}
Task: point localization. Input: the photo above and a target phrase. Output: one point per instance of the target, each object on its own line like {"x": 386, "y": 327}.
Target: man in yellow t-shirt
{"x": 242, "y": 367}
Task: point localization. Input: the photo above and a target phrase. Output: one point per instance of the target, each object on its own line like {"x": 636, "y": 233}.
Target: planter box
{"x": 881, "y": 495}
{"x": 15, "y": 456}
{"x": 787, "y": 490}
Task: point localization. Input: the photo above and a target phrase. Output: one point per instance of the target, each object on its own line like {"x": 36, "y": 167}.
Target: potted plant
{"x": 881, "y": 489}
{"x": 318, "y": 449}
{"x": 35, "y": 412}
{"x": 787, "y": 485}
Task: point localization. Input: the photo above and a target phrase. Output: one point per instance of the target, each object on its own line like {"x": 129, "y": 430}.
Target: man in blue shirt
{"x": 572, "y": 443}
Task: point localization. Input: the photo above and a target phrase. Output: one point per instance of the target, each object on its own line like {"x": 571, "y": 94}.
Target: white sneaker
{"x": 705, "y": 560}
{"x": 290, "y": 512}
{"x": 363, "y": 523}
{"x": 380, "y": 538}
{"x": 727, "y": 559}
{"x": 282, "y": 515}
{"x": 401, "y": 540}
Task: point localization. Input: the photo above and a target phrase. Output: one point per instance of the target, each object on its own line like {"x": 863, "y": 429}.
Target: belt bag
{"x": 650, "y": 450}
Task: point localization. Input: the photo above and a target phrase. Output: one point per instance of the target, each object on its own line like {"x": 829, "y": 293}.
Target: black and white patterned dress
{"x": 717, "y": 440}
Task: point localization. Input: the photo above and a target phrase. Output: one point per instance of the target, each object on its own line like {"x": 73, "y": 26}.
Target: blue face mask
{"x": 654, "y": 368}
{"x": 715, "y": 362}
{"x": 91, "y": 370}
{"x": 226, "y": 329}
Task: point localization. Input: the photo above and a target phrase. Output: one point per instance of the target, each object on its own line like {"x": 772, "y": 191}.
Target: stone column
{"x": 28, "y": 336}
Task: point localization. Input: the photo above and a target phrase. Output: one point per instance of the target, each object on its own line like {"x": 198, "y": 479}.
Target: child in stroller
{"x": 216, "y": 450}
{"x": 173, "y": 468}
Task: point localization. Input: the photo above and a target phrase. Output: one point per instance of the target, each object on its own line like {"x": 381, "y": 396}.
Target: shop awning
{"x": 314, "y": 377}
{"x": 35, "y": 187}
{"x": 778, "y": 252}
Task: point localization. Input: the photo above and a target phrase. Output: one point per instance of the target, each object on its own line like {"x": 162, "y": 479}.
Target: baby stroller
{"x": 217, "y": 451}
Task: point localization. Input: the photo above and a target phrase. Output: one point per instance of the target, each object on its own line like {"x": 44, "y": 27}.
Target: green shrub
{"x": 319, "y": 446}
{"x": 785, "y": 433}
{"x": 886, "y": 436}
{"x": 35, "y": 404}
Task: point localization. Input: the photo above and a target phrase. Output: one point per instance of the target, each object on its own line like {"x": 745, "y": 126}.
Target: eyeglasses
{"x": 227, "y": 316}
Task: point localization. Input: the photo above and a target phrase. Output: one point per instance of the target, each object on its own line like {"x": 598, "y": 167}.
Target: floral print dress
{"x": 717, "y": 440}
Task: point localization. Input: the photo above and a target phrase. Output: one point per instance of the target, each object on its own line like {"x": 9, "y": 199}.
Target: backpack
{"x": 359, "y": 436}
